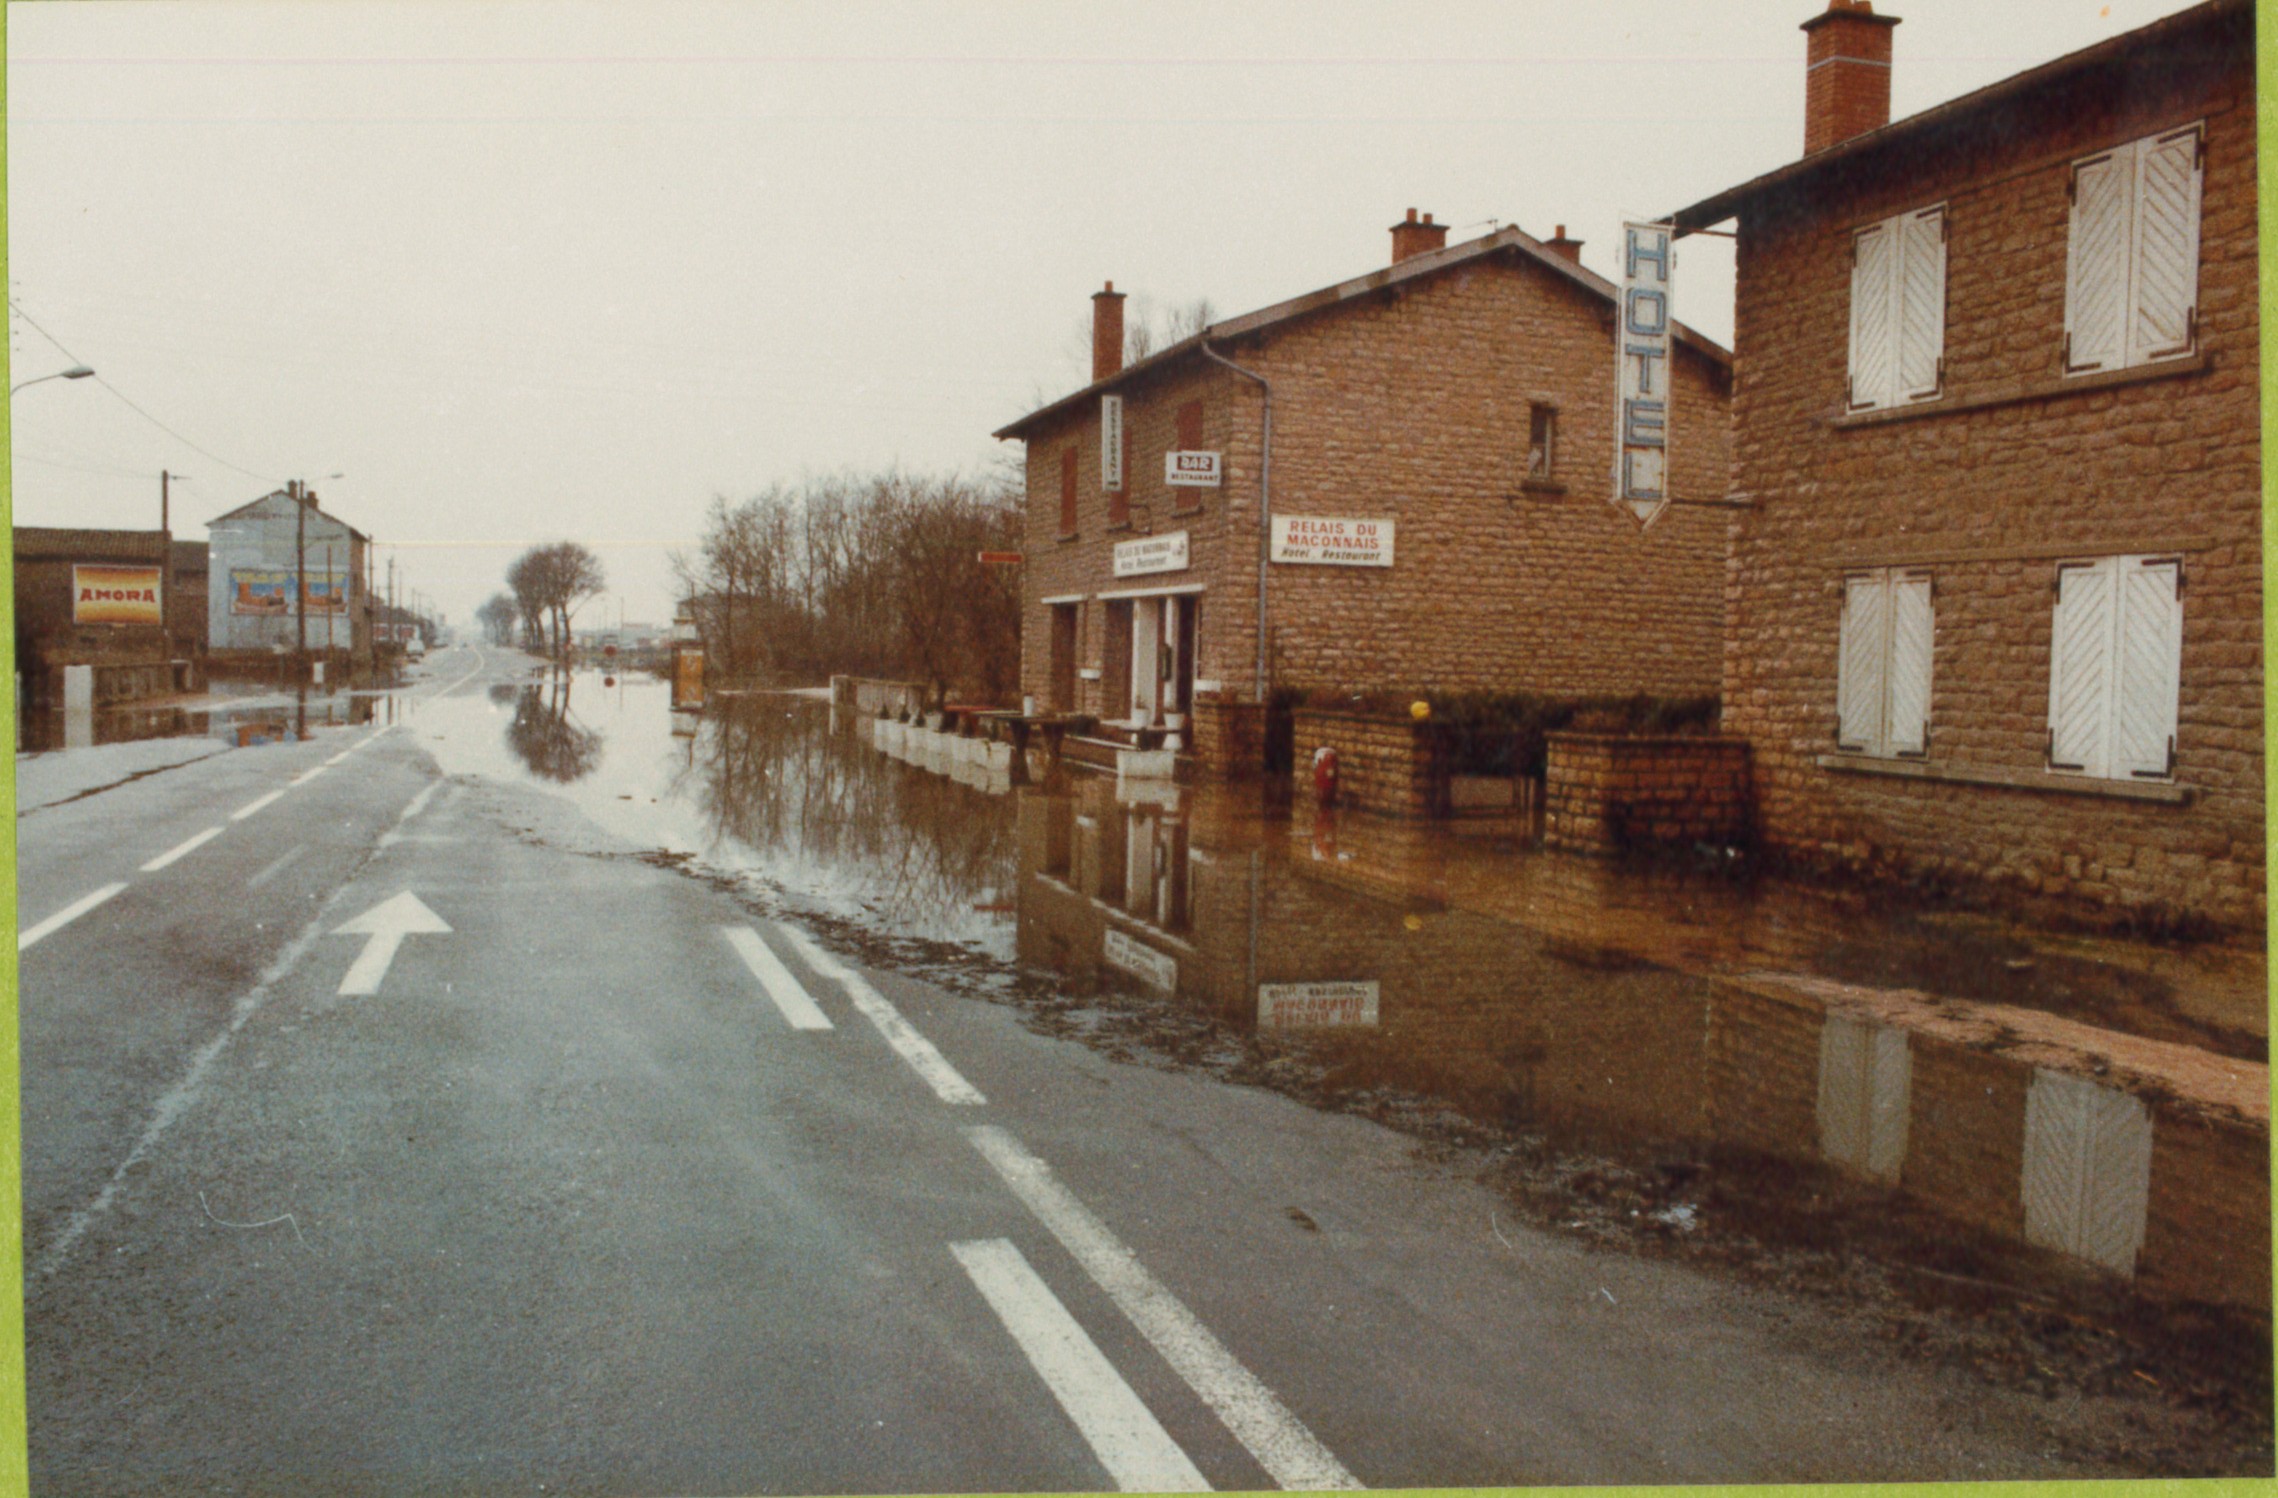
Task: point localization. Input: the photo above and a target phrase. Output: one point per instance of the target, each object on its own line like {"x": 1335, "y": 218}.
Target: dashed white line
{"x": 912, "y": 1047}
{"x": 1258, "y": 1419}
{"x": 307, "y": 775}
{"x": 248, "y": 810}
{"x": 66, "y": 915}
{"x": 1123, "y": 1433}
{"x": 187, "y": 846}
{"x": 277, "y": 866}
{"x": 798, "y": 1006}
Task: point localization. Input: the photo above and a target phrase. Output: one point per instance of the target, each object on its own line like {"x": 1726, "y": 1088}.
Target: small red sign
{"x": 1002, "y": 558}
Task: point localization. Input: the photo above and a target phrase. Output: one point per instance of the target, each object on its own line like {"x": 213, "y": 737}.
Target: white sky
{"x": 524, "y": 271}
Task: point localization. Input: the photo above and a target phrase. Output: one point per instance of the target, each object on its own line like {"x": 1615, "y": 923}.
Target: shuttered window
{"x": 1898, "y": 310}
{"x": 1190, "y": 426}
{"x": 1882, "y": 683}
{"x": 1068, "y": 492}
{"x": 2115, "y": 667}
{"x": 2132, "y": 256}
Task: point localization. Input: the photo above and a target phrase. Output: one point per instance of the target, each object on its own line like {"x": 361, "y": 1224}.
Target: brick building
{"x": 1439, "y": 477}
{"x": 106, "y": 599}
{"x": 1996, "y": 597}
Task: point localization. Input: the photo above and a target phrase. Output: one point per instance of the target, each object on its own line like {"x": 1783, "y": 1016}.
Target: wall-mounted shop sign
{"x": 1151, "y": 554}
{"x": 1326, "y": 542}
{"x": 1143, "y": 963}
{"x": 1111, "y": 442}
{"x": 1642, "y": 349}
{"x": 1191, "y": 470}
{"x": 1316, "y": 1006}
{"x": 114, "y": 595}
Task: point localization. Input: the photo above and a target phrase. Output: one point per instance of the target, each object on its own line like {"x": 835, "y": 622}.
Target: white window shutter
{"x": 1859, "y": 677}
{"x": 1906, "y": 721}
{"x": 2087, "y": 1169}
{"x": 2162, "y": 318}
{"x": 1873, "y": 262}
{"x": 2080, "y": 668}
{"x": 2096, "y": 262}
{"x": 1921, "y": 299}
{"x": 2150, "y": 666}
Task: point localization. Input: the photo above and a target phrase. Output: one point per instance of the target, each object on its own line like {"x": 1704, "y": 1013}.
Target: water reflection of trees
{"x": 543, "y": 735}
{"x": 920, "y": 847}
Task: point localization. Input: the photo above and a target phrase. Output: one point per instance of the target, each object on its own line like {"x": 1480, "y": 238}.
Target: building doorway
{"x": 1161, "y": 660}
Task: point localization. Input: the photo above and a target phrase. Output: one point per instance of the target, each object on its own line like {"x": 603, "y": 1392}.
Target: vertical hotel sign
{"x": 1642, "y": 342}
{"x": 1111, "y": 442}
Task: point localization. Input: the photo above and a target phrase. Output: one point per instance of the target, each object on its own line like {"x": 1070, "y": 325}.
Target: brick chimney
{"x": 1107, "y": 332}
{"x": 1846, "y": 77}
{"x": 1412, "y": 238}
{"x": 1559, "y": 244}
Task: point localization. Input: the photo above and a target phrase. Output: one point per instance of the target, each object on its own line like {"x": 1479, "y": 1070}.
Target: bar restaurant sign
{"x": 1317, "y": 1006}
{"x": 1151, "y": 554}
{"x": 115, "y": 595}
{"x": 1323, "y": 541}
{"x": 1642, "y": 347}
{"x": 1191, "y": 470}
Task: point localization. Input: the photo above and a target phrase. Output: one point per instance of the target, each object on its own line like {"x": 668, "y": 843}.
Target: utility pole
{"x": 166, "y": 570}
{"x": 300, "y": 576}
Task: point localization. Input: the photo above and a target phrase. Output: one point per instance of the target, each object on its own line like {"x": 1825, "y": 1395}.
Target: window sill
{"x": 1117, "y": 525}
{"x": 1549, "y": 488}
{"x": 1066, "y": 536}
{"x": 2022, "y": 780}
{"x": 2018, "y": 391}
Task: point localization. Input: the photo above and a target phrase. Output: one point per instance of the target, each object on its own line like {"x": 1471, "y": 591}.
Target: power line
{"x": 130, "y": 404}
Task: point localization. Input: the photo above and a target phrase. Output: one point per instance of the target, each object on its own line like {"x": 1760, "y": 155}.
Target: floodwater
{"x": 2057, "y": 1143}
{"x": 245, "y": 717}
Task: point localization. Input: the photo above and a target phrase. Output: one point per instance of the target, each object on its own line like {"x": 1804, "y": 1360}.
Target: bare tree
{"x": 498, "y": 618}
{"x": 549, "y": 583}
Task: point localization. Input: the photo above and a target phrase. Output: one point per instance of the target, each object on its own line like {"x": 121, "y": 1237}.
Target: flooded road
{"x": 720, "y": 1057}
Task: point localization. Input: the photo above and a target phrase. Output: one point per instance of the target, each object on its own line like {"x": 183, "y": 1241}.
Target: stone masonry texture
{"x": 1988, "y": 488}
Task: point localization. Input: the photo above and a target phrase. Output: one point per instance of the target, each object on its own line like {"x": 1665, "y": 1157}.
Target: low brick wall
{"x": 1604, "y": 792}
{"x": 1229, "y": 739}
{"x": 1392, "y": 766}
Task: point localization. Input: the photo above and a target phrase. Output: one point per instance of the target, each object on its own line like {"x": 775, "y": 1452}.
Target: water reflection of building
{"x": 1620, "y": 1016}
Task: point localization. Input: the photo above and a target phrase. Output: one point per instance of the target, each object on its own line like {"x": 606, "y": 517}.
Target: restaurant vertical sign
{"x": 1642, "y": 344}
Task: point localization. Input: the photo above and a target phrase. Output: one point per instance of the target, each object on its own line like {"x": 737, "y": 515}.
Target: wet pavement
{"x": 2036, "y": 1159}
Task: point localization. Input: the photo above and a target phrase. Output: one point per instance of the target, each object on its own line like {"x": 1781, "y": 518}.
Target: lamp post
{"x": 75, "y": 372}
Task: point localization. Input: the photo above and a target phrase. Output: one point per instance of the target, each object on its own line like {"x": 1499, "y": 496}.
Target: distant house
{"x": 1441, "y": 464}
{"x": 1996, "y": 603}
{"x": 104, "y": 599}
{"x": 260, "y": 552}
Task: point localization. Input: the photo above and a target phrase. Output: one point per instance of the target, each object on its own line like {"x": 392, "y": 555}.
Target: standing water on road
{"x": 2041, "y": 1154}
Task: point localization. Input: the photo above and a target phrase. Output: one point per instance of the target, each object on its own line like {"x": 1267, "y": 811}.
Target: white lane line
{"x": 66, "y": 915}
{"x": 1137, "y": 1452}
{"x": 412, "y": 808}
{"x": 189, "y": 845}
{"x": 277, "y": 866}
{"x": 243, "y": 812}
{"x": 912, "y": 1047}
{"x": 337, "y": 758}
{"x": 1258, "y": 1419}
{"x": 798, "y": 1007}
{"x": 307, "y": 775}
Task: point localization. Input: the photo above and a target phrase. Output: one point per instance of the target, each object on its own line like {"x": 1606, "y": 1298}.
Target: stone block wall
{"x": 1391, "y": 766}
{"x": 2014, "y": 468}
{"x": 1606, "y": 792}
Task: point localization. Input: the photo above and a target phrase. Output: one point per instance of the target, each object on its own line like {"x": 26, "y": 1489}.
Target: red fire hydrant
{"x": 1325, "y": 776}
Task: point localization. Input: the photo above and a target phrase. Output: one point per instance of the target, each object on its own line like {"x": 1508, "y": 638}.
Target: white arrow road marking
{"x": 899, "y": 1032}
{"x": 186, "y": 846}
{"x": 798, "y": 1007}
{"x": 1258, "y": 1419}
{"x": 387, "y": 924}
{"x": 66, "y": 915}
{"x": 1124, "y": 1434}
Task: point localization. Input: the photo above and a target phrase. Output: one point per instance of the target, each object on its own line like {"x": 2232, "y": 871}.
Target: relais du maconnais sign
{"x": 1151, "y": 554}
{"x": 1325, "y": 541}
{"x": 1642, "y": 346}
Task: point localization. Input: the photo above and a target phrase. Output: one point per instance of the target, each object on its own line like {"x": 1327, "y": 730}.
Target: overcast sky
{"x": 525, "y": 271}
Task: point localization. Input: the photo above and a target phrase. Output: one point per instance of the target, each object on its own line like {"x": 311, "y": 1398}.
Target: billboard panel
{"x": 115, "y": 595}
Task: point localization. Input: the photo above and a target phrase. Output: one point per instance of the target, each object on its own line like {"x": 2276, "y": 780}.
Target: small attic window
{"x": 1542, "y": 441}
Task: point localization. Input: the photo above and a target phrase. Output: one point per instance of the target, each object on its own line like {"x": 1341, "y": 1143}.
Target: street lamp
{"x": 75, "y": 372}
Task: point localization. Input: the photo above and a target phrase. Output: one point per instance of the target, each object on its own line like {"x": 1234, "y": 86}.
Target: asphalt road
{"x": 613, "y": 1186}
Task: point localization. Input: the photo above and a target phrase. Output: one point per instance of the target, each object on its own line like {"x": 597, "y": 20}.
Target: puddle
{"x": 242, "y": 720}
